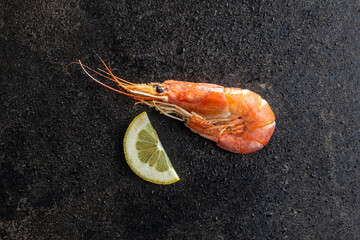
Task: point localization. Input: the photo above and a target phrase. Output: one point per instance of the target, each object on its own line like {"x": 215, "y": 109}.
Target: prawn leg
{"x": 213, "y": 129}
{"x": 169, "y": 109}
{"x": 228, "y": 135}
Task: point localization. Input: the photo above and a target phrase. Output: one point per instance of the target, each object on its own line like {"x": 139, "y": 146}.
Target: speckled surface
{"x": 62, "y": 170}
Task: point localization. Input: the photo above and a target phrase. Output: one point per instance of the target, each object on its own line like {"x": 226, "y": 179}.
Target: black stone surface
{"x": 62, "y": 170}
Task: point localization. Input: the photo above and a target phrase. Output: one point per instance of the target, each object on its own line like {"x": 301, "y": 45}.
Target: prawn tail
{"x": 231, "y": 133}
{"x": 248, "y": 142}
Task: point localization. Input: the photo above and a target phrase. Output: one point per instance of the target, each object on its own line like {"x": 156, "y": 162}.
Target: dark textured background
{"x": 62, "y": 168}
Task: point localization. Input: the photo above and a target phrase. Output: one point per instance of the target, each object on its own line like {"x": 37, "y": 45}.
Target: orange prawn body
{"x": 238, "y": 120}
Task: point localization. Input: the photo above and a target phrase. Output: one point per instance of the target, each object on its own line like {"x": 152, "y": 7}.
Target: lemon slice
{"x": 145, "y": 154}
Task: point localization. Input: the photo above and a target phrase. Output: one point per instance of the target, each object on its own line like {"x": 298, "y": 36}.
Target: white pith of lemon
{"x": 144, "y": 153}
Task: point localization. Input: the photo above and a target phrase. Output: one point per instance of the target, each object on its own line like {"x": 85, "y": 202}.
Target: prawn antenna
{"x": 122, "y": 83}
{"x": 67, "y": 67}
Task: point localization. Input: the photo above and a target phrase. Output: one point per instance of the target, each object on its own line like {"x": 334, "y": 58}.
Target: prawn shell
{"x": 206, "y": 100}
{"x": 239, "y": 144}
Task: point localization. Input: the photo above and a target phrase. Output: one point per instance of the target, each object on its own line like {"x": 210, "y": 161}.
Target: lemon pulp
{"x": 144, "y": 153}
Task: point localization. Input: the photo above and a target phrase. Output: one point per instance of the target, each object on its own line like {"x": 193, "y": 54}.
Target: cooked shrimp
{"x": 238, "y": 120}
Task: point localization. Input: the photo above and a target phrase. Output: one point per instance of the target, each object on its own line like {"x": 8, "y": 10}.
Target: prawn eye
{"x": 159, "y": 89}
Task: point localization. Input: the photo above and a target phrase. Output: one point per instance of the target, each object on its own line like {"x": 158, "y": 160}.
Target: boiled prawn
{"x": 238, "y": 120}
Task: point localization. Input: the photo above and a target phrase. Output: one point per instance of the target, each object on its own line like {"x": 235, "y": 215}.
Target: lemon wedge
{"x": 144, "y": 153}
